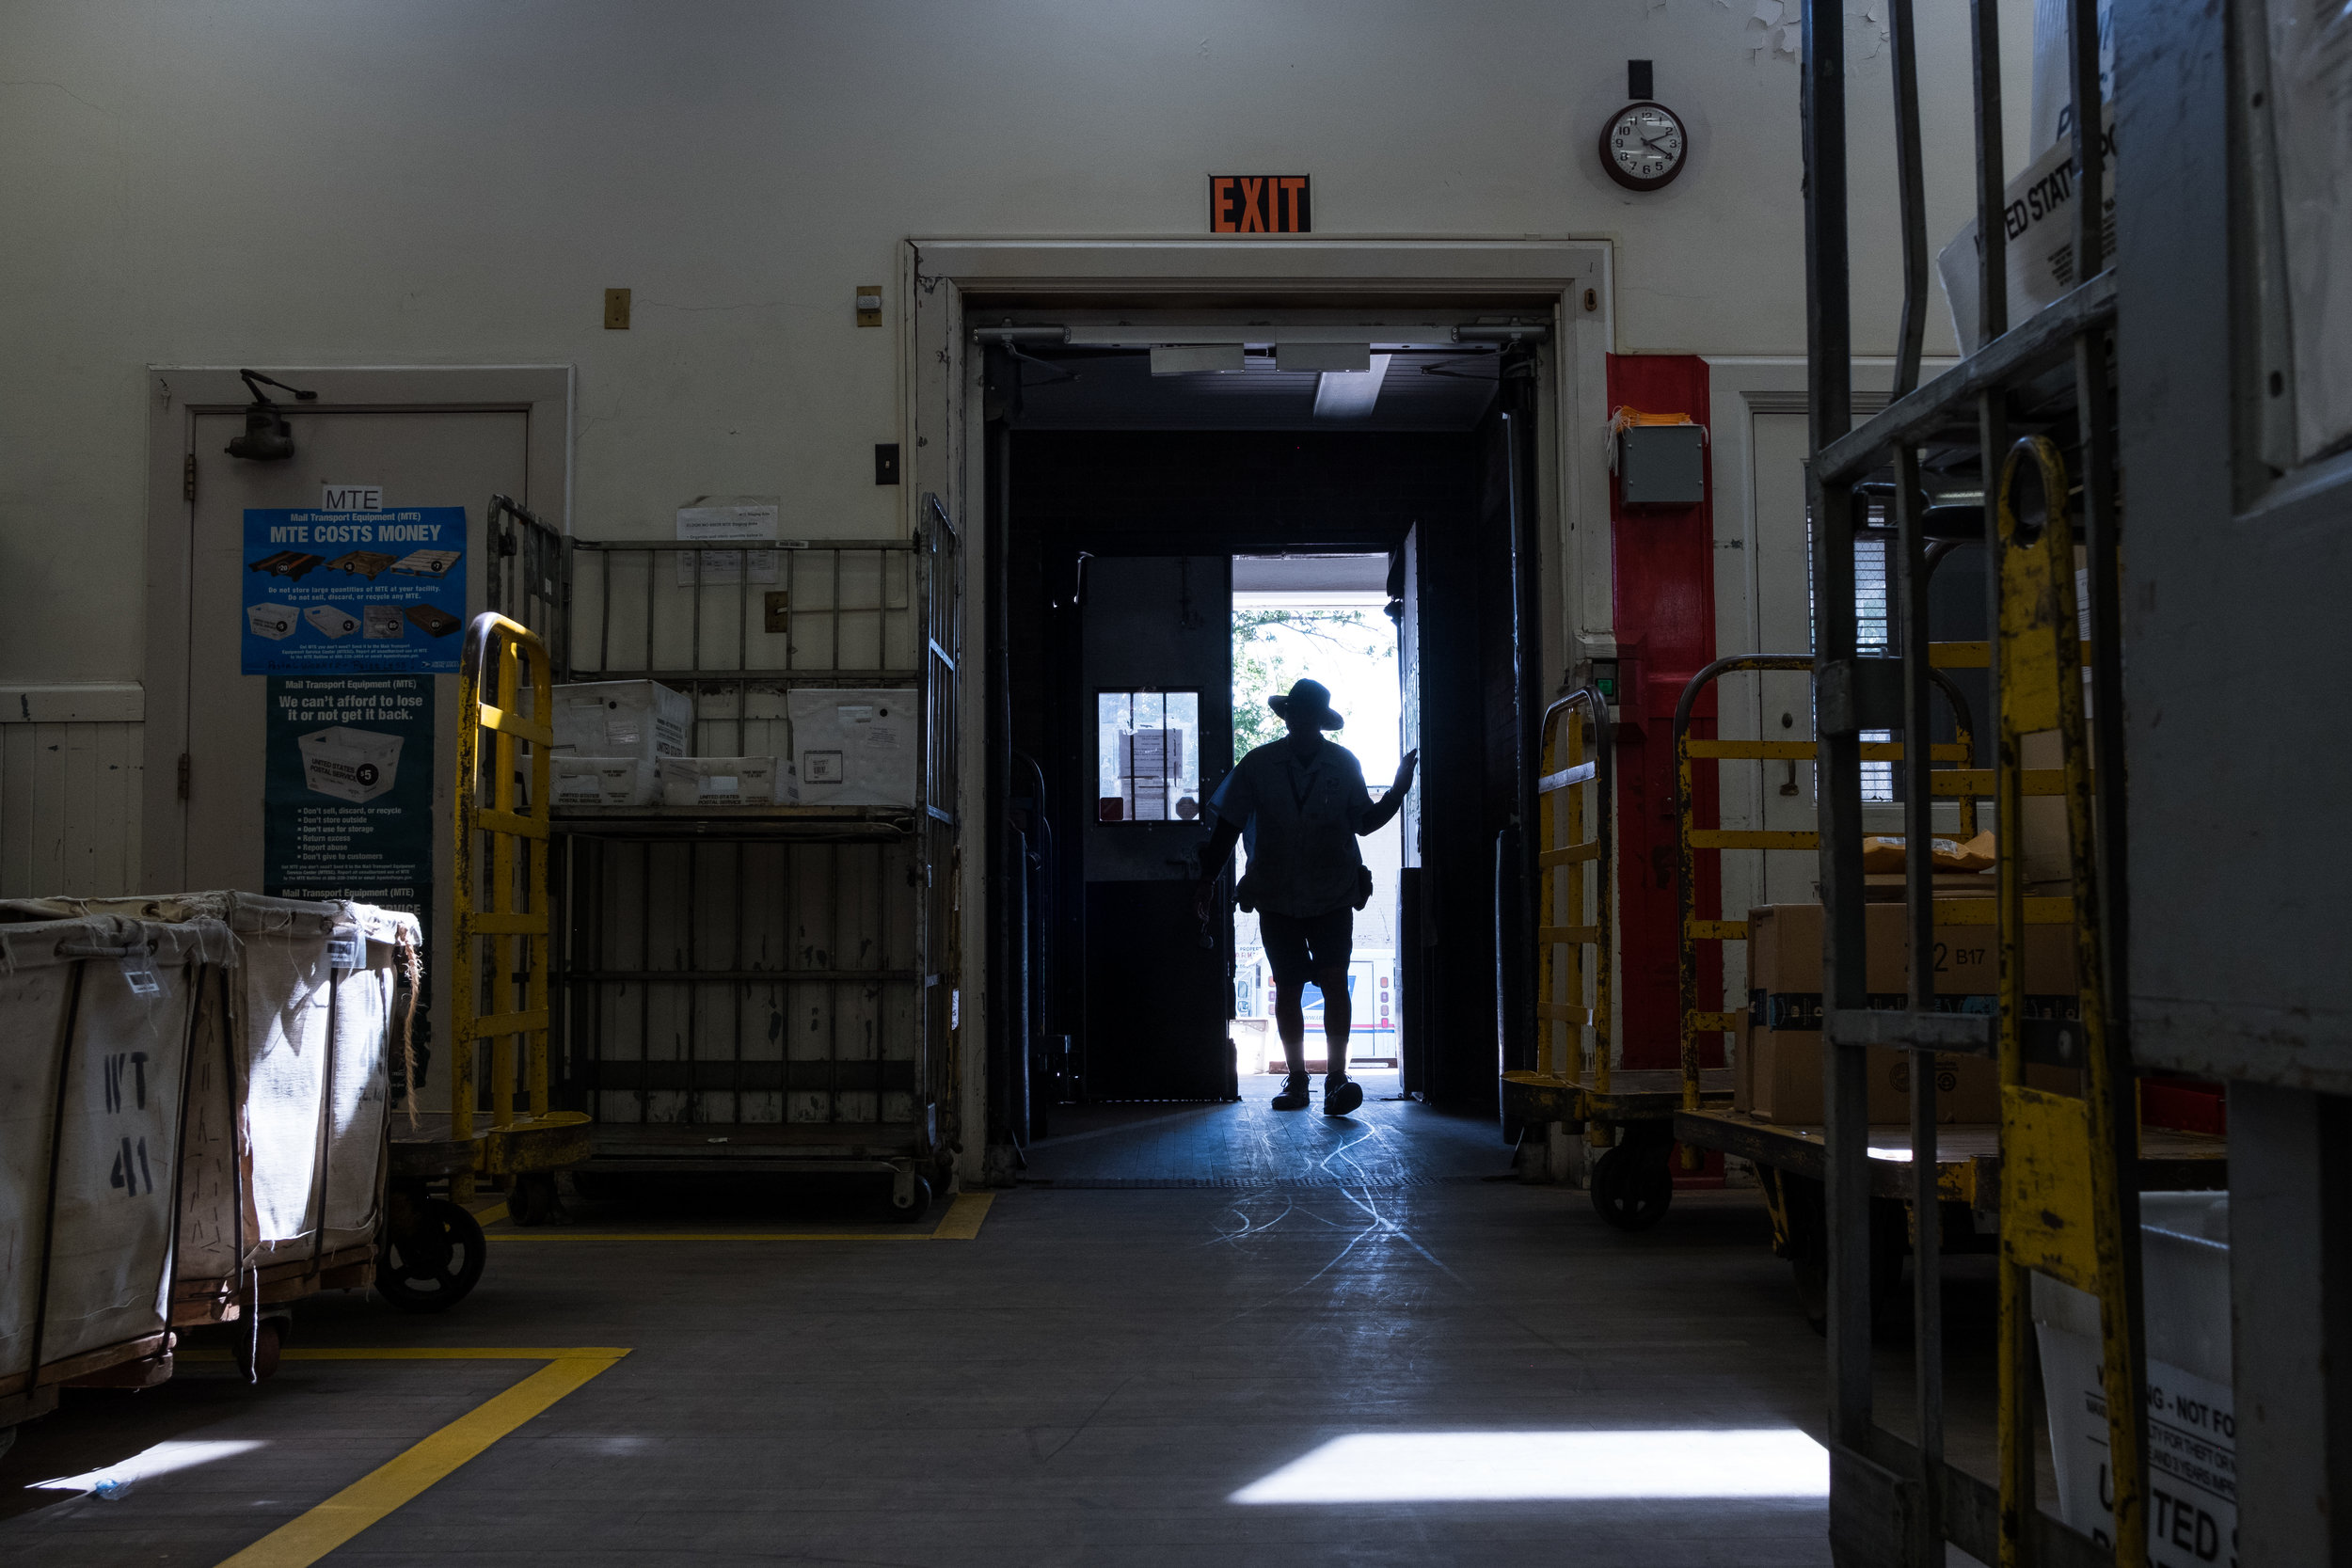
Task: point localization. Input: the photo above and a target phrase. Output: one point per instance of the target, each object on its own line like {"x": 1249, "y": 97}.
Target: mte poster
{"x": 348, "y": 790}
{"x": 354, "y": 593}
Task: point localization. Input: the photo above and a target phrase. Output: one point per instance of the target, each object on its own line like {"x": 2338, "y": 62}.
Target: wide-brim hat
{"x": 1310, "y": 699}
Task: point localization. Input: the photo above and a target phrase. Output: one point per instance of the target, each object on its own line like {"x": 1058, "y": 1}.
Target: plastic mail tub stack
{"x": 98, "y": 1014}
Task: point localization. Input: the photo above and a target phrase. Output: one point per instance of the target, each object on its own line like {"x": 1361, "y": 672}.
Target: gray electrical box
{"x": 1662, "y": 465}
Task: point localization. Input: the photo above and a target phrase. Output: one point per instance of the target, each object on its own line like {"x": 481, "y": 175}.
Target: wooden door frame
{"x": 176, "y": 396}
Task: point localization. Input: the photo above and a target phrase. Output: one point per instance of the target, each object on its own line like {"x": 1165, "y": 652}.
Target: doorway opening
{"x": 1169, "y": 538}
{"x": 1323, "y": 617}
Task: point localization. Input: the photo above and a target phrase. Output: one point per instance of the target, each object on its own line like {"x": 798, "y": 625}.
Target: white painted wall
{"x": 451, "y": 182}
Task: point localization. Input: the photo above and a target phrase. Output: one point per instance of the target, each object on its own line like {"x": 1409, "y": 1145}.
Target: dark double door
{"x": 1118, "y": 582}
{"x": 1156, "y": 647}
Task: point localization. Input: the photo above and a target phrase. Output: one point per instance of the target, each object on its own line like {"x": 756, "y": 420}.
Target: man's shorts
{"x": 1298, "y": 947}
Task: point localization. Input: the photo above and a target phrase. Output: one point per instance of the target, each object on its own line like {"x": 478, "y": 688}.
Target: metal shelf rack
{"x": 759, "y": 987}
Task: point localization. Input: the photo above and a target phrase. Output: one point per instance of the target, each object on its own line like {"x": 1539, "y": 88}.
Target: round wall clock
{"x": 1643, "y": 147}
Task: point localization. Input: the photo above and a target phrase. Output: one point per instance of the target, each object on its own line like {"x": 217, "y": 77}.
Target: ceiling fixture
{"x": 1323, "y": 356}
{"x": 268, "y": 438}
{"x": 1503, "y": 332}
{"x": 1350, "y": 394}
{"x": 1197, "y": 359}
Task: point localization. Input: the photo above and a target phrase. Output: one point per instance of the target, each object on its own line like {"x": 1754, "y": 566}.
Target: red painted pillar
{"x": 1665, "y": 599}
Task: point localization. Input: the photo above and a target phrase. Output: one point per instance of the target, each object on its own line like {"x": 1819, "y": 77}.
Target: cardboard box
{"x": 623, "y": 719}
{"x": 273, "y": 621}
{"x": 718, "y": 781}
{"x": 605, "y": 781}
{"x": 1780, "y": 1068}
{"x": 1783, "y": 1072}
{"x": 854, "y": 747}
{"x": 348, "y": 764}
{"x": 333, "y": 621}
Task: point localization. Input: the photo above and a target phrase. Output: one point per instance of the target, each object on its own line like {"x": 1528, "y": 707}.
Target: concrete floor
{"x": 1092, "y": 1380}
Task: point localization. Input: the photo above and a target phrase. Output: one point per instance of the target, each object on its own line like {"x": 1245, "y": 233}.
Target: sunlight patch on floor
{"x": 161, "y": 1460}
{"x": 1504, "y": 1467}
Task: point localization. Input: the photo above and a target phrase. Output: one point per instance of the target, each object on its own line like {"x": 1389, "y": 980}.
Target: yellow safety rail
{"x": 1968, "y": 785}
{"x": 2061, "y": 1158}
{"x": 501, "y": 949}
{"x": 1573, "y": 792}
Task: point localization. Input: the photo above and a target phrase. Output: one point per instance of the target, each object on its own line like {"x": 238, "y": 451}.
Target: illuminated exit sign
{"x": 1260, "y": 204}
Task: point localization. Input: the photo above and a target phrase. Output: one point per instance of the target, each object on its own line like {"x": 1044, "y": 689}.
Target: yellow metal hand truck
{"x": 1575, "y": 1082}
{"x": 501, "y": 947}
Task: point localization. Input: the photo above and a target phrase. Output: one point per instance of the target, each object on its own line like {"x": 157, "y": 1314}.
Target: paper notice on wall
{"x": 716, "y": 519}
{"x": 2310, "y": 79}
{"x": 705, "y": 519}
{"x": 723, "y": 568}
{"x": 347, "y": 804}
{"x": 2038, "y": 220}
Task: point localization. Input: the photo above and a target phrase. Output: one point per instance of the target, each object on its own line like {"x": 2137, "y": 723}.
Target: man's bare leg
{"x": 1335, "y": 1022}
{"x": 1290, "y": 1023}
{"x": 1339, "y": 1096}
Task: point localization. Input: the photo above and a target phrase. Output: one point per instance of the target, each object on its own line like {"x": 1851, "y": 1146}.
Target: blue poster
{"x": 354, "y": 593}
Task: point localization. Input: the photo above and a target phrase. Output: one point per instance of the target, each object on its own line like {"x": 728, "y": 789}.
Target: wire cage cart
{"x": 765, "y": 983}
{"x": 2026, "y": 422}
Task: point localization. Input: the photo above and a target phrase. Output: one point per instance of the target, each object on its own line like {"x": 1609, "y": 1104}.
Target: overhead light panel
{"x": 1323, "y": 356}
{"x": 1194, "y": 359}
{"x": 1008, "y": 333}
{"x": 1350, "y": 394}
{"x": 1503, "y": 332}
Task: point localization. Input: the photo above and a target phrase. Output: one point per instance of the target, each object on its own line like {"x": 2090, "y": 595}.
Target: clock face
{"x": 1643, "y": 147}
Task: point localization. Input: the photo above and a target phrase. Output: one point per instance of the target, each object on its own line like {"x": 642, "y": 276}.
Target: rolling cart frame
{"x": 900, "y": 860}
{"x": 1894, "y": 1500}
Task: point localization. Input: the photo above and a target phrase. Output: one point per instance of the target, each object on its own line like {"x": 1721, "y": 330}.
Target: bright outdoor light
{"x": 1504, "y": 1467}
{"x": 162, "y": 1459}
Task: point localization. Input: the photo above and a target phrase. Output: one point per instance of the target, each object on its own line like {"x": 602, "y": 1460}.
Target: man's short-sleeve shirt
{"x": 1299, "y": 819}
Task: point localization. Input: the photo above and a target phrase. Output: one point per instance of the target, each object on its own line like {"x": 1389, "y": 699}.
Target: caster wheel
{"x": 534, "y": 1200}
{"x": 256, "y": 1353}
{"x": 919, "y": 1203}
{"x": 430, "y": 1265}
{"x": 1629, "y": 1191}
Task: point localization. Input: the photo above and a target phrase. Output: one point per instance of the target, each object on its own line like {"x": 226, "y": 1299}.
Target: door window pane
{"x": 1147, "y": 756}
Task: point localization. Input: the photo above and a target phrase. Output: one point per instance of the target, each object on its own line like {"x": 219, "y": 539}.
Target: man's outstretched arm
{"x": 1393, "y": 801}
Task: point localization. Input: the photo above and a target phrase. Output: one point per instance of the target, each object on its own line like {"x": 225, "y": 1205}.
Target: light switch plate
{"x": 616, "y": 309}
{"x": 869, "y": 305}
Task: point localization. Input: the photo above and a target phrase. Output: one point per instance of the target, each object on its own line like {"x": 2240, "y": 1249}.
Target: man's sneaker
{"x": 1342, "y": 1097}
{"x": 1294, "y": 1095}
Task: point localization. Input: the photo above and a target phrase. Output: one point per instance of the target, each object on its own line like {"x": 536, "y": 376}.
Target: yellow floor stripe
{"x": 372, "y": 1497}
{"x": 452, "y": 1353}
{"x": 961, "y": 1222}
{"x": 490, "y": 1216}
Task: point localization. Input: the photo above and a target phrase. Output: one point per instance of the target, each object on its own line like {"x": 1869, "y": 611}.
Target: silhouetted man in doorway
{"x": 1301, "y": 804}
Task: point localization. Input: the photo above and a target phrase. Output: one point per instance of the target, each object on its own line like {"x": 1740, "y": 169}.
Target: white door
{"x": 420, "y": 459}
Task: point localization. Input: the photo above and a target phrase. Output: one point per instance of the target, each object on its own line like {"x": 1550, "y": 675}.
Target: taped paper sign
{"x": 2039, "y": 223}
